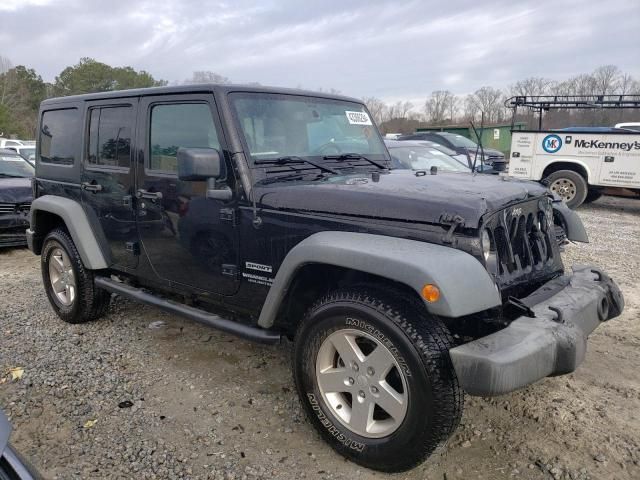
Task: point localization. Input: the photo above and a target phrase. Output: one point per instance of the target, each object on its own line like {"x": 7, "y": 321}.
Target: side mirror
{"x": 199, "y": 164}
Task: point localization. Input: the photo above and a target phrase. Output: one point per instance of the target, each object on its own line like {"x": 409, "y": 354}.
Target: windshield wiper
{"x": 8, "y": 175}
{"x": 292, "y": 159}
{"x": 292, "y": 176}
{"x": 354, "y": 156}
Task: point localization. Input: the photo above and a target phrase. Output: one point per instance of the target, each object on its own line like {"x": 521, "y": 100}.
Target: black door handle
{"x": 91, "y": 186}
{"x": 148, "y": 195}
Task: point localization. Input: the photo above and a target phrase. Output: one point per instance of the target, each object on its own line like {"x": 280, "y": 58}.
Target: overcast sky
{"x": 389, "y": 49}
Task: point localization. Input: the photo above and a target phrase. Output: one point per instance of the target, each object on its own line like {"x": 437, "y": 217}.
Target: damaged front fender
{"x": 569, "y": 220}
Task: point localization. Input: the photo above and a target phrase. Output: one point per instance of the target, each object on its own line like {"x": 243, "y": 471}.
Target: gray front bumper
{"x": 567, "y": 309}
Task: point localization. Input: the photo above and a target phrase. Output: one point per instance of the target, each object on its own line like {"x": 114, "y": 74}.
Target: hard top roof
{"x": 197, "y": 88}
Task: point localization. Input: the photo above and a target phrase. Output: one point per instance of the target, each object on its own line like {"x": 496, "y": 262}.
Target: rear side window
{"x": 110, "y": 136}
{"x": 179, "y": 125}
{"x": 58, "y": 131}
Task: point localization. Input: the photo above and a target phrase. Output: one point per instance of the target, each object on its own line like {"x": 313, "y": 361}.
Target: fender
{"x": 410, "y": 262}
{"x": 573, "y": 226}
{"x": 77, "y": 222}
{"x": 542, "y": 166}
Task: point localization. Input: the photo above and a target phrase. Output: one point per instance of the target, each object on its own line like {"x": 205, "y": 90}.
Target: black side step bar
{"x": 250, "y": 333}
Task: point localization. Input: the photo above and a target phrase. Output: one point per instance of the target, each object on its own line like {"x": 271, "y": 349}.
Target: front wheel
{"x": 374, "y": 375}
{"x": 570, "y": 186}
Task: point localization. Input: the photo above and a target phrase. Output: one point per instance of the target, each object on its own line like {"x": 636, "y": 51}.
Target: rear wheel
{"x": 69, "y": 285}
{"x": 374, "y": 375}
{"x": 570, "y": 186}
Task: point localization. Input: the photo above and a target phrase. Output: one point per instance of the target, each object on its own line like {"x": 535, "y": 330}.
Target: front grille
{"x": 13, "y": 208}
{"x": 524, "y": 241}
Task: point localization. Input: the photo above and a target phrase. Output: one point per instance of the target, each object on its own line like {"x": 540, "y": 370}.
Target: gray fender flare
{"x": 465, "y": 286}
{"x": 574, "y": 227}
{"x": 77, "y": 222}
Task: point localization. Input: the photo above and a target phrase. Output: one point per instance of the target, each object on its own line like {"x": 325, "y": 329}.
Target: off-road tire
{"x": 592, "y": 195}
{"x": 578, "y": 180}
{"x": 420, "y": 343}
{"x": 90, "y": 303}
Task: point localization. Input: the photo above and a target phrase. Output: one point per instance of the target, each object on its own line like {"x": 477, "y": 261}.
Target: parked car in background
{"x": 28, "y": 152}
{"x": 8, "y": 142}
{"x": 462, "y": 145}
{"x": 12, "y": 465}
{"x": 421, "y": 156}
{"x": 629, "y": 125}
{"x": 463, "y": 159}
{"x": 15, "y": 198}
{"x": 615, "y": 129}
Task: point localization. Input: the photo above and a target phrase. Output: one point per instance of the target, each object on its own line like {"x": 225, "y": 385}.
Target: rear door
{"x": 188, "y": 238}
{"x": 107, "y": 176}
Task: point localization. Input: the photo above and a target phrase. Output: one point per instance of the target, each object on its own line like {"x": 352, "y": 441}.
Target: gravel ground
{"x": 141, "y": 394}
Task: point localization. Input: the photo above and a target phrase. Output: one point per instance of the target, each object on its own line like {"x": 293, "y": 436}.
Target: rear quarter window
{"x": 58, "y": 130}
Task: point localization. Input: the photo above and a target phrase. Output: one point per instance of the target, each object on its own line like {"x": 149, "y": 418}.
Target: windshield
{"x": 460, "y": 141}
{"x": 28, "y": 152}
{"x": 277, "y": 125}
{"x": 14, "y": 166}
{"x": 437, "y": 146}
{"x": 423, "y": 158}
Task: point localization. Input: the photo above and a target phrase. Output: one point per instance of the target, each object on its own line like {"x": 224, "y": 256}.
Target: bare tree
{"x": 204, "y": 76}
{"x": 5, "y": 64}
{"x": 606, "y": 79}
{"x": 438, "y": 106}
{"x": 377, "y": 108}
{"x": 531, "y": 86}
{"x": 627, "y": 85}
{"x": 487, "y": 100}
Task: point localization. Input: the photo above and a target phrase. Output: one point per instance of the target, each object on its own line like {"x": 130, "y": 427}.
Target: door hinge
{"x": 230, "y": 270}
{"x": 133, "y": 247}
{"x": 228, "y": 215}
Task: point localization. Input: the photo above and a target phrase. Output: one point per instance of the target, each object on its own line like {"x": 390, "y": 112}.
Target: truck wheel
{"x": 69, "y": 285}
{"x": 374, "y": 375}
{"x": 568, "y": 185}
{"x": 592, "y": 195}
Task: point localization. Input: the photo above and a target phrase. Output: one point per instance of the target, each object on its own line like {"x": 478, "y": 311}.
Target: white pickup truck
{"x": 577, "y": 165}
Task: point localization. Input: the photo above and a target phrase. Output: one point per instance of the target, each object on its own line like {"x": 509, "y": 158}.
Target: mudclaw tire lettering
{"x": 419, "y": 342}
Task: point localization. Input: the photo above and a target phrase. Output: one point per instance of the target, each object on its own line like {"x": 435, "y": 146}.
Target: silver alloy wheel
{"x": 61, "y": 275}
{"x": 362, "y": 383}
{"x": 565, "y": 189}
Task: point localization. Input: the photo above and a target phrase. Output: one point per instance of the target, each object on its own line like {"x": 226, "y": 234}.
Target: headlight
{"x": 486, "y": 244}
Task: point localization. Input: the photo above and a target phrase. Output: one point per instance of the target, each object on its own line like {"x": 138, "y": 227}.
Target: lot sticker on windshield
{"x": 358, "y": 118}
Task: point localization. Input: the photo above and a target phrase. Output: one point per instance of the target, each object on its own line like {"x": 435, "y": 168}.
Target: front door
{"x": 189, "y": 239}
{"x": 107, "y": 176}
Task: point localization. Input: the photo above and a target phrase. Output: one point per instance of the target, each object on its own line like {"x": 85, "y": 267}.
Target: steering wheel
{"x": 328, "y": 148}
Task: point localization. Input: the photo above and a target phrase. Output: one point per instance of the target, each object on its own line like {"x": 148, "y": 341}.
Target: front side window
{"x": 58, "y": 133}
{"x": 110, "y": 136}
{"x": 276, "y": 125}
{"x": 188, "y": 125}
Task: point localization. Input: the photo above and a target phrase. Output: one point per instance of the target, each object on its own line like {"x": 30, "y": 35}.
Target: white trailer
{"x": 577, "y": 165}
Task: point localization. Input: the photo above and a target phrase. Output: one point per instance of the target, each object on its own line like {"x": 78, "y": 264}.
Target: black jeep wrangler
{"x": 272, "y": 213}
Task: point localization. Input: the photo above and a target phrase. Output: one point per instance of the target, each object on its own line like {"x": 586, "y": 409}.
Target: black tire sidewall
{"x": 51, "y": 242}
{"x": 405, "y": 443}
{"x": 578, "y": 180}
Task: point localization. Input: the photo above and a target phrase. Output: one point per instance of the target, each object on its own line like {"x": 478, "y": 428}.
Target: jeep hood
{"x": 15, "y": 190}
{"x": 400, "y": 195}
